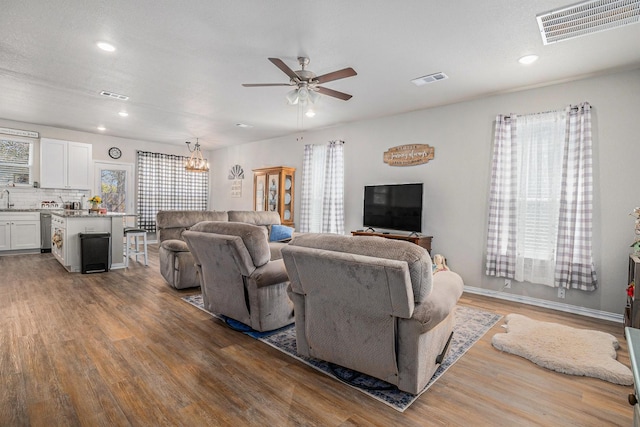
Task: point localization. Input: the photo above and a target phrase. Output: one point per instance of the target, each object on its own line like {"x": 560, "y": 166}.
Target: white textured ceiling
{"x": 182, "y": 63}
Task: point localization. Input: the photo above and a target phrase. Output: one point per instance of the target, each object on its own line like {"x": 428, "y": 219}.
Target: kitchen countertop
{"x": 86, "y": 214}
{"x": 25, "y": 210}
{"x": 81, "y": 213}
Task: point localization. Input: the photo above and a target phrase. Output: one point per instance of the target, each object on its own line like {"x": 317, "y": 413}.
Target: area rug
{"x": 563, "y": 349}
{"x": 471, "y": 325}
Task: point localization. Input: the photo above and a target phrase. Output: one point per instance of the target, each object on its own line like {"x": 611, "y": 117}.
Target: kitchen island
{"x": 66, "y": 226}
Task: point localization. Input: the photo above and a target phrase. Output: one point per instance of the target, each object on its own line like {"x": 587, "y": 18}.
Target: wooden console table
{"x": 423, "y": 241}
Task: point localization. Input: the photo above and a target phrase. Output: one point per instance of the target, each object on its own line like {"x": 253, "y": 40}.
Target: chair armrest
{"x": 447, "y": 289}
{"x": 269, "y": 274}
{"x": 175, "y": 245}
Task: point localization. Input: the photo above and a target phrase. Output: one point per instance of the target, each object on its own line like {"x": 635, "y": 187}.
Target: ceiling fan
{"x": 306, "y": 83}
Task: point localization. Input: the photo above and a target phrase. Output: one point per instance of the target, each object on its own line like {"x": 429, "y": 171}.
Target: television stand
{"x": 423, "y": 241}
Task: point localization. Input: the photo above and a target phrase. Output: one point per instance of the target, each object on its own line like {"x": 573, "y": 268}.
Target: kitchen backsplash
{"x": 31, "y": 198}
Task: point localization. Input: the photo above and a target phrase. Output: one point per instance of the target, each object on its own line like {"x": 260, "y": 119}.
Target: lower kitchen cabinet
{"x": 19, "y": 230}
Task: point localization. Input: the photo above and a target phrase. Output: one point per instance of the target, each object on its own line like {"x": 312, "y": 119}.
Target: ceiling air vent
{"x": 587, "y": 18}
{"x": 114, "y": 95}
{"x": 421, "y": 81}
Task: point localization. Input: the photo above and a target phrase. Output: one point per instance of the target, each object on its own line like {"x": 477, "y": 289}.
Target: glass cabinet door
{"x": 287, "y": 201}
{"x": 260, "y": 184}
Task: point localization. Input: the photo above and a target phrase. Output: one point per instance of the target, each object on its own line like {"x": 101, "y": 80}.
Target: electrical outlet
{"x": 561, "y": 292}
{"x": 507, "y": 284}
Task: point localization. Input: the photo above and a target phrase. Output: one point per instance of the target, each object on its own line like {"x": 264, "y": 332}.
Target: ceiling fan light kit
{"x": 307, "y": 84}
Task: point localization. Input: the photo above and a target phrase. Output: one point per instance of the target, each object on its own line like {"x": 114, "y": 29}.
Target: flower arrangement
{"x": 95, "y": 200}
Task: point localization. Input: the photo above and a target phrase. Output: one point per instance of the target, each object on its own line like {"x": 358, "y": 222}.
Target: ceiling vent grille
{"x": 431, "y": 78}
{"x": 114, "y": 95}
{"x": 586, "y": 18}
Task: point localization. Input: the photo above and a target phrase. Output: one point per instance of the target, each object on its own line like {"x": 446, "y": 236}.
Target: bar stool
{"x": 132, "y": 244}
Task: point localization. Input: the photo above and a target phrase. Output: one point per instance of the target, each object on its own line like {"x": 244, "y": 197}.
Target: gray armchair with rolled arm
{"x": 371, "y": 305}
{"x": 238, "y": 278}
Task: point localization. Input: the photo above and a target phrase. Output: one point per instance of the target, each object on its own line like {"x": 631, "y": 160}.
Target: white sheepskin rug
{"x": 564, "y": 349}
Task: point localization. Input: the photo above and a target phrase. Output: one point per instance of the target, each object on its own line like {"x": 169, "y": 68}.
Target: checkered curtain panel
{"x": 501, "y": 235}
{"x": 333, "y": 200}
{"x": 164, "y": 184}
{"x": 524, "y": 206}
{"x": 574, "y": 262}
{"x": 322, "y": 189}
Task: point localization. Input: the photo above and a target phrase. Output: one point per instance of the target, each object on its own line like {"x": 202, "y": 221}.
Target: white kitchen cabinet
{"x": 19, "y": 230}
{"x": 65, "y": 164}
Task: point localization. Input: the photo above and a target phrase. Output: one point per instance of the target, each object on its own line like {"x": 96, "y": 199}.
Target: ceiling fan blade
{"x": 284, "y": 67}
{"x": 265, "y": 84}
{"x": 334, "y": 93}
{"x": 336, "y": 75}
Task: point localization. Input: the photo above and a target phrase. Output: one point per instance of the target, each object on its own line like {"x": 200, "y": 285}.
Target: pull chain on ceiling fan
{"x": 306, "y": 83}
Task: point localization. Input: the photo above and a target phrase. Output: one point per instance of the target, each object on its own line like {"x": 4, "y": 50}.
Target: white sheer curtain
{"x": 322, "y": 192}
{"x": 540, "y": 199}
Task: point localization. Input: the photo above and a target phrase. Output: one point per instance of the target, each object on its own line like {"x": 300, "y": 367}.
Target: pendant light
{"x": 196, "y": 162}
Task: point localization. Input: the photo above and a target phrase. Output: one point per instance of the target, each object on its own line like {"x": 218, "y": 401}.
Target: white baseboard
{"x": 574, "y": 309}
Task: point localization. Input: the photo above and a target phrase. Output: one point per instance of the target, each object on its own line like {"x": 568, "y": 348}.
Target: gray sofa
{"x": 371, "y": 305}
{"x": 176, "y": 261}
{"x": 239, "y": 280}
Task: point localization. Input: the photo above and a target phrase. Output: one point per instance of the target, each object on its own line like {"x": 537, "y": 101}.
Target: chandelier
{"x": 196, "y": 162}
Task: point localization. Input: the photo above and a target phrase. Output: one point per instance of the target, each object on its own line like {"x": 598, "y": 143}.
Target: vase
{"x": 94, "y": 208}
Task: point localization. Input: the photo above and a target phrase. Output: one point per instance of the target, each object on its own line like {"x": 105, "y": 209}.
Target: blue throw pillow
{"x": 280, "y": 232}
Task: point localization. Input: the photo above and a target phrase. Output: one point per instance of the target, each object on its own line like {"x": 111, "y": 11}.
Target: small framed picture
{"x": 21, "y": 178}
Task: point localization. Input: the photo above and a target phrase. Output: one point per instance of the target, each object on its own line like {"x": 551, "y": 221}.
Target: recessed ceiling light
{"x": 102, "y": 128}
{"x": 123, "y": 114}
{"x": 107, "y": 47}
{"x": 528, "y": 59}
{"x": 243, "y": 125}
{"x": 310, "y": 113}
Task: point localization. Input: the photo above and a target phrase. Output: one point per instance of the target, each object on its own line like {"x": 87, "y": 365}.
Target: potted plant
{"x": 95, "y": 201}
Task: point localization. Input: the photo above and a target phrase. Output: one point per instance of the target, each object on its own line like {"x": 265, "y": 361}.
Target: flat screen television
{"x": 394, "y": 206}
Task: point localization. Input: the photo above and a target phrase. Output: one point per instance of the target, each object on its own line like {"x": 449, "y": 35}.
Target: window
{"x": 540, "y": 207}
{"x": 164, "y": 184}
{"x": 114, "y": 183}
{"x": 16, "y": 161}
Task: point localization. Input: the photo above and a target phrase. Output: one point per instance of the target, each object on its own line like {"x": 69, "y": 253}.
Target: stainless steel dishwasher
{"x": 45, "y": 232}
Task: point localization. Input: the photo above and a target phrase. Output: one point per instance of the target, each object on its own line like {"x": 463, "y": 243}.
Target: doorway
{"x": 114, "y": 183}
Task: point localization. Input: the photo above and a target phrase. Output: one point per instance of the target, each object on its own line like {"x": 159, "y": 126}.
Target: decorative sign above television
{"x": 409, "y": 155}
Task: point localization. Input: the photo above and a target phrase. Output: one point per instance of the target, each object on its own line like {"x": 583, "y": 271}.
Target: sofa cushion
{"x": 171, "y": 224}
{"x": 174, "y": 245}
{"x": 416, "y": 257}
{"x": 255, "y": 218}
{"x": 253, "y": 236}
{"x": 280, "y": 233}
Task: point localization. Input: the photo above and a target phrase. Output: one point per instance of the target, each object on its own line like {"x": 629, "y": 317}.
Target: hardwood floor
{"x": 121, "y": 348}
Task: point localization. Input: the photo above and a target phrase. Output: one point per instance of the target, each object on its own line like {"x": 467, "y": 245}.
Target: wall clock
{"x": 115, "y": 153}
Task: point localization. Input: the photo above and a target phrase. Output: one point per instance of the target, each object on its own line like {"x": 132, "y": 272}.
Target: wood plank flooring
{"x": 122, "y": 349}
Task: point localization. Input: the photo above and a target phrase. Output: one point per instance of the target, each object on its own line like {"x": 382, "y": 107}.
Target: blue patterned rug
{"x": 471, "y": 325}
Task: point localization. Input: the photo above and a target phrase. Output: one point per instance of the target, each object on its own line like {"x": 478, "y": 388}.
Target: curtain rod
{"x": 573, "y": 108}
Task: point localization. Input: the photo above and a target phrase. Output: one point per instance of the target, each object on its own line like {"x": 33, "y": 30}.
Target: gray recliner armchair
{"x": 176, "y": 262}
{"x": 371, "y": 305}
{"x": 238, "y": 279}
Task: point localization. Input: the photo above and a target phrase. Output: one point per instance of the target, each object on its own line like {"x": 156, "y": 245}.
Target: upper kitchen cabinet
{"x": 65, "y": 164}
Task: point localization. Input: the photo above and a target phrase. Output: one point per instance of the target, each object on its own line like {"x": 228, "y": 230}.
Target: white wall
{"x": 457, "y": 180}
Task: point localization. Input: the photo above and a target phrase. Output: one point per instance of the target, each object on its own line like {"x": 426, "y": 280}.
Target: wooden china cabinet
{"x": 273, "y": 190}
